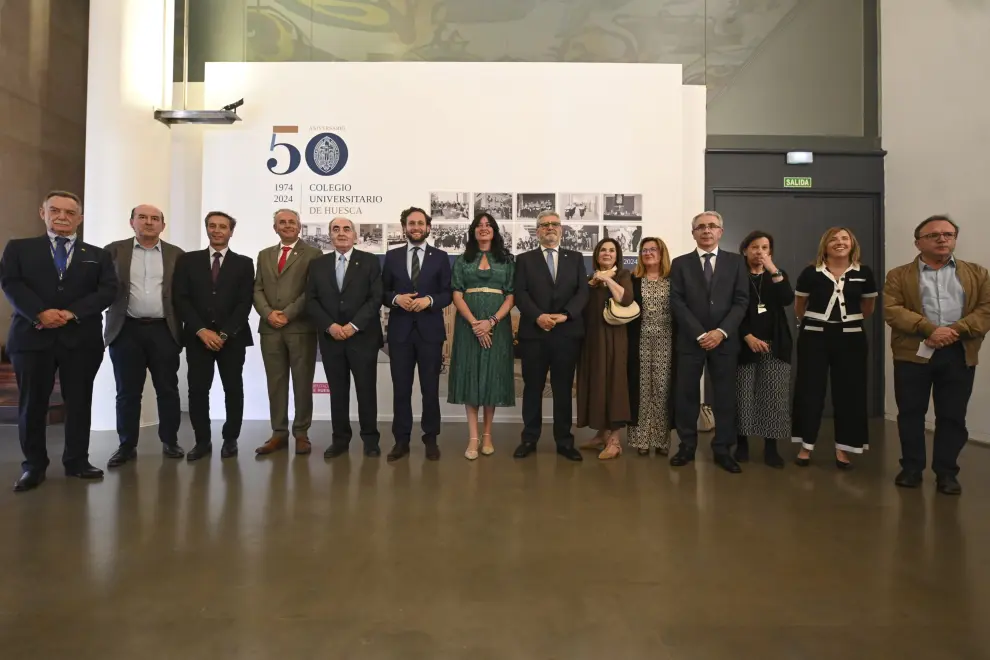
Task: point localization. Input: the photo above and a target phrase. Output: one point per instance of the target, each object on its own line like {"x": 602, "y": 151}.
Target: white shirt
{"x": 223, "y": 255}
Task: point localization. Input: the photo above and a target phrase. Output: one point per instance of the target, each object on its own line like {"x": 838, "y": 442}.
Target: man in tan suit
{"x": 938, "y": 310}
{"x": 288, "y": 338}
{"x": 142, "y": 332}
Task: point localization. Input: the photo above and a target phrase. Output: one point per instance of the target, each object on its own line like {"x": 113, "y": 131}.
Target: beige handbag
{"x": 706, "y": 419}
{"x": 616, "y": 314}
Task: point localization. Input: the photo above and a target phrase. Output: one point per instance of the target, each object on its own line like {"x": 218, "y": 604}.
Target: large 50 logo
{"x": 326, "y": 155}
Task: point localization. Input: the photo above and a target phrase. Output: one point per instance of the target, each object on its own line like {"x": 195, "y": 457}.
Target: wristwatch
{"x": 223, "y": 336}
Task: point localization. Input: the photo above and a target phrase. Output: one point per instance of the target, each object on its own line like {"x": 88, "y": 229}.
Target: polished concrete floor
{"x": 296, "y": 557}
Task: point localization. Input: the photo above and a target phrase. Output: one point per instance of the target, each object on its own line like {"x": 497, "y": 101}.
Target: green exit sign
{"x": 797, "y": 181}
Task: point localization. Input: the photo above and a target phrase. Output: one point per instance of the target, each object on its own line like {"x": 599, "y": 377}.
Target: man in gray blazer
{"x": 288, "y": 337}
{"x": 142, "y": 332}
{"x": 709, "y": 295}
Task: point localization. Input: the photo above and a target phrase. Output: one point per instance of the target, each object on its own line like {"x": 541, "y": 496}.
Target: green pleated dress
{"x": 480, "y": 376}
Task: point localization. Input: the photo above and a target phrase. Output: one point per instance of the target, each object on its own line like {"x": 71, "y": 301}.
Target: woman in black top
{"x": 763, "y": 376}
{"x": 834, "y": 296}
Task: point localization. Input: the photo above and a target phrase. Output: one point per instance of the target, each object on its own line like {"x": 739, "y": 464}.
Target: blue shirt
{"x": 147, "y": 278}
{"x": 68, "y": 246}
{"x": 942, "y": 295}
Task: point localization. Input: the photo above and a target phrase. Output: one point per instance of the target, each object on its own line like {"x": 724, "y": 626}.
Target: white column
{"x": 127, "y": 151}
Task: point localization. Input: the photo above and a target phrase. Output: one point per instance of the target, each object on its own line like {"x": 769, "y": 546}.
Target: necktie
{"x": 341, "y": 269}
{"x": 216, "y": 267}
{"x": 709, "y": 271}
{"x": 553, "y": 271}
{"x": 61, "y": 256}
{"x": 415, "y": 266}
{"x": 285, "y": 255}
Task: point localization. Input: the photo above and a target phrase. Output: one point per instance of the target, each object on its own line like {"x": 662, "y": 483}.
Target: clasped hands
{"x": 548, "y": 321}
{"x": 53, "y": 318}
{"x": 410, "y": 303}
{"x": 341, "y": 332}
{"x": 711, "y": 339}
{"x": 942, "y": 337}
{"x": 210, "y": 339}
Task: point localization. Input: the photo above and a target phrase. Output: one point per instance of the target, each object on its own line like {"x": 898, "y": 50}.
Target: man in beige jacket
{"x": 938, "y": 309}
{"x": 288, "y": 338}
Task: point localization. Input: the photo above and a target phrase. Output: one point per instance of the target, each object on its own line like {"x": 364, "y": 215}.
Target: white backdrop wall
{"x": 937, "y": 137}
{"x": 518, "y": 128}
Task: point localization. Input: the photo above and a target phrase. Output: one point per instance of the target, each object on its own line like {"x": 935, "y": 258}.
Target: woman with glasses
{"x": 651, "y": 351}
{"x": 834, "y": 297}
{"x": 763, "y": 377}
{"x": 602, "y": 376}
{"x": 481, "y": 358}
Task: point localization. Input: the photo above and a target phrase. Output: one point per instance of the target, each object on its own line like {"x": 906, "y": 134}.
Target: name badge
{"x": 760, "y": 308}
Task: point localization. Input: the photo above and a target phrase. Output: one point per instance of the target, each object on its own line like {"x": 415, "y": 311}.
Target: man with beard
{"x": 416, "y": 281}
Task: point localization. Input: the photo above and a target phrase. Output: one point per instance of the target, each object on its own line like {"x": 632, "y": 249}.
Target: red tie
{"x": 281, "y": 260}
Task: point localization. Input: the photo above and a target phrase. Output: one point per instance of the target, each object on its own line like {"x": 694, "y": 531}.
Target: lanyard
{"x": 68, "y": 255}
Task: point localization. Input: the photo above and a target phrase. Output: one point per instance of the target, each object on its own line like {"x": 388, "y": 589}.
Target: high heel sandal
{"x": 471, "y": 454}
{"x": 802, "y": 462}
{"x": 613, "y": 448}
{"x": 488, "y": 449}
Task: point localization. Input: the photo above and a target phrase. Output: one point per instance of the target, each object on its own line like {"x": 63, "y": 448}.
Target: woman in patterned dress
{"x": 763, "y": 377}
{"x": 651, "y": 340}
{"x": 481, "y": 360}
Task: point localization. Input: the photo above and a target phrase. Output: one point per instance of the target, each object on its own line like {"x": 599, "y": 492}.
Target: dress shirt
{"x": 223, "y": 255}
{"x": 348, "y": 256}
{"x": 701, "y": 257}
{"x": 288, "y": 255}
{"x": 942, "y": 295}
{"x": 147, "y": 278}
{"x": 68, "y": 246}
{"x": 409, "y": 256}
{"x": 556, "y": 260}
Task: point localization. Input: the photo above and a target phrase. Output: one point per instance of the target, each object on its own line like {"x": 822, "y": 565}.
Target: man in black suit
{"x": 709, "y": 295}
{"x": 344, "y": 298}
{"x": 58, "y": 287}
{"x": 416, "y": 280}
{"x": 214, "y": 290}
{"x": 142, "y": 333}
{"x": 551, "y": 288}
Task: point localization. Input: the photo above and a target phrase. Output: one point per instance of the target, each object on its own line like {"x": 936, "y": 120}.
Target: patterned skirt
{"x": 762, "y": 398}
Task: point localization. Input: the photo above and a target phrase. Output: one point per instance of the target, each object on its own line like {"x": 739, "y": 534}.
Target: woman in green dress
{"x": 481, "y": 359}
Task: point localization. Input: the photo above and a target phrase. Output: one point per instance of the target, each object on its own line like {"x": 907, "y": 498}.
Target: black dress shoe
{"x": 121, "y": 456}
{"x": 199, "y": 451}
{"x": 569, "y": 452}
{"x": 433, "y": 452}
{"x": 333, "y": 451}
{"x": 86, "y": 471}
{"x": 727, "y": 463}
{"x": 524, "y": 450}
{"x": 681, "y": 458}
{"x": 172, "y": 450}
{"x": 372, "y": 452}
{"x": 398, "y": 451}
{"x": 228, "y": 449}
{"x": 908, "y": 479}
{"x": 948, "y": 486}
{"x": 29, "y": 480}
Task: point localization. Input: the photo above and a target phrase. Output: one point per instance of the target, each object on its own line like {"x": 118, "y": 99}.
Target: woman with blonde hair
{"x": 833, "y": 298}
{"x": 651, "y": 351}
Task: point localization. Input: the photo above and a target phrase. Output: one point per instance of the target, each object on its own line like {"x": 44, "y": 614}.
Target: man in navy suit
{"x": 58, "y": 287}
{"x": 416, "y": 281}
{"x": 709, "y": 295}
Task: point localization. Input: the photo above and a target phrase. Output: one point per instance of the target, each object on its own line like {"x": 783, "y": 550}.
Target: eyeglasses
{"x": 548, "y": 225}
{"x": 651, "y": 251}
{"x": 934, "y": 236}
{"x": 710, "y": 225}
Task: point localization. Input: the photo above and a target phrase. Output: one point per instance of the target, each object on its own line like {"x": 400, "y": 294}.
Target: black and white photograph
{"x": 624, "y": 207}
{"x": 525, "y": 238}
{"x": 530, "y": 205}
{"x": 394, "y": 235}
{"x": 581, "y": 238}
{"x": 449, "y": 206}
{"x": 450, "y": 238}
{"x": 508, "y": 231}
{"x": 580, "y": 207}
{"x": 369, "y": 238}
{"x": 627, "y": 236}
{"x": 499, "y": 205}
{"x": 317, "y": 235}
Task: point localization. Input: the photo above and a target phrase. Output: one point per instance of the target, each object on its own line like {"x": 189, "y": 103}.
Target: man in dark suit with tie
{"x": 551, "y": 287}
{"x": 344, "y": 296}
{"x": 143, "y": 333}
{"x": 213, "y": 295}
{"x": 58, "y": 287}
{"x": 416, "y": 280}
{"x": 709, "y": 295}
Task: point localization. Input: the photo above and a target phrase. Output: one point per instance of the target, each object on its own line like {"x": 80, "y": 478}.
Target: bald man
{"x": 344, "y": 296}
{"x": 143, "y": 332}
